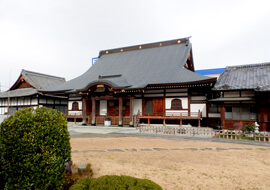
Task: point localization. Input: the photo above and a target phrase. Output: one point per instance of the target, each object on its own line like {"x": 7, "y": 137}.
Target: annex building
{"x": 24, "y": 93}
{"x": 242, "y": 96}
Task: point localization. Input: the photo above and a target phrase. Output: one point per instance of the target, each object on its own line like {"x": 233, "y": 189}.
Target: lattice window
{"x": 75, "y": 106}
{"x": 176, "y": 104}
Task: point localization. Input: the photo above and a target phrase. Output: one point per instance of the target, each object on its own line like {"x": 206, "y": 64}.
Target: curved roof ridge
{"x": 248, "y": 66}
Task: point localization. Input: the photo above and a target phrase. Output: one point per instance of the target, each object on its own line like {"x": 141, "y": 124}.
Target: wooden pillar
{"x": 84, "y": 111}
{"x": 131, "y": 122}
{"x": 120, "y": 111}
{"x": 164, "y": 122}
{"x": 93, "y": 111}
{"x": 222, "y": 115}
{"x": 189, "y": 97}
{"x": 180, "y": 122}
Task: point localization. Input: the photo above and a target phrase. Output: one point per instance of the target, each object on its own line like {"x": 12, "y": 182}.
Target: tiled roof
{"x": 253, "y": 76}
{"x": 138, "y": 66}
{"x": 40, "y": 81}
{"x": 36, "y": 80}
{"x": 19, "y": 93}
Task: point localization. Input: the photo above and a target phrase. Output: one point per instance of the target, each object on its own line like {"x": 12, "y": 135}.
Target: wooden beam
{"x": 93, "y": 111}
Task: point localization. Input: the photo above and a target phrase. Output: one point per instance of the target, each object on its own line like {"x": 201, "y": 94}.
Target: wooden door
{"x": 264, "y": 119}
{"x": 159, "y": 106}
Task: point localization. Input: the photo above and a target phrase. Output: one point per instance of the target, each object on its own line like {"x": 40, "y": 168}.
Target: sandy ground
{"x": 238, "y": 167}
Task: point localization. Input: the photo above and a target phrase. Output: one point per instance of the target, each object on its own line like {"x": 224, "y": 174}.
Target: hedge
{"x": 114, "y": 182}
{"x": 34, "y": 147}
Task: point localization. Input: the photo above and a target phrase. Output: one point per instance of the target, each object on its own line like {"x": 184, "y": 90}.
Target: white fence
{"x": 180, "y": 131}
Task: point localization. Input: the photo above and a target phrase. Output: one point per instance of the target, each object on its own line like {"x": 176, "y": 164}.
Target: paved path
{"x": 172, "y": 149}
{"x": 79, "y": 131}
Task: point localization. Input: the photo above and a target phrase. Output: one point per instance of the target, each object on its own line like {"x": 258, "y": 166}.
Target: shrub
{"x": 86, "y": 172}
{"x": 82, "y": 184}
{"x": 113, "y": 182}
{"x": 249, "y": 127}
{"x": 35, "y": 145}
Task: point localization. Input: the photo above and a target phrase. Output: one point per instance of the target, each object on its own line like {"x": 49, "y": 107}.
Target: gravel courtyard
{"x": 175, "y": 164}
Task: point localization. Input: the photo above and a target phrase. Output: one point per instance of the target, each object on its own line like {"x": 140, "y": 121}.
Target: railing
{"x": 240, "y": 135}
{"x": 171, "y": 114}
{"x": 181, "y": 131}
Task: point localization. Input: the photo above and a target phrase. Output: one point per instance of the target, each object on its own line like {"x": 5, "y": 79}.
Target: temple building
{"x": 148, "y": 83}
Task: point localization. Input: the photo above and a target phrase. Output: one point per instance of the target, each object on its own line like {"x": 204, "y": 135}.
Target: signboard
{"x": 94, "y": 60}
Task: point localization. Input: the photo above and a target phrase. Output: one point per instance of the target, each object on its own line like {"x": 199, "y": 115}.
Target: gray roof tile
{"x": 138, "y": 68}
{"x": 252, "y": 76}
{"x": 40, "y": 81}
{"x": 19, "y": 93}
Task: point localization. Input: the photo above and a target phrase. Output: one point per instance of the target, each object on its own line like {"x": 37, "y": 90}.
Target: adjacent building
{"x": 241, "y": 95}
{"x": 24, "y": 93}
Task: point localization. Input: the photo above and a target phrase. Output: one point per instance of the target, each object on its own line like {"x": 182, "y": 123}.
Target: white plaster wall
{"x": 168, "y": 102}
{"x": 103, "y": 107}
{"x": 3, "y": 110}
{"x": 137, "y": 105}
{"x": 34, "y": 101}
{"x": 197, "y": 107}
{"x": 20, "y": 101}
{"x": 2, "y": 117}
{"x": 198, "y": 97}
{"x": 214, "y": 115}
{"x": 27, "y": 101}
{"x": 177, "y": 94}
{"x": 74, "y": 112}
{"x": 176, "y": 112}
{"x": 70, "y": 104}
{"x": 12, "y": 102}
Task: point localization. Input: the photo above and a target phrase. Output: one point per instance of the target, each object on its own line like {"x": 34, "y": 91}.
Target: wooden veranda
{"x": 169, "y": 116}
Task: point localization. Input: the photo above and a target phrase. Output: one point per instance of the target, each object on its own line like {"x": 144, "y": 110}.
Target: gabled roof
{"x": 28, "y": 83}
{"x": 138, "y": 66}
{"x": 253, "y": 76}
{"x": 36, "y": 80}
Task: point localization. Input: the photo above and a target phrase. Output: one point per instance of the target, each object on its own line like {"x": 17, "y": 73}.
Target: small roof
{"x": 38, "y": 80}
{"x": 135, "y": 67}
{"x": 19, "y": 92}
{"x": 34, "y": 81}
{"x": 245, "y": 77}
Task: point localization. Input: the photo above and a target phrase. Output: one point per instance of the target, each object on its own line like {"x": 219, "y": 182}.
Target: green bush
{"x": 113, "y": 182}
{"x": 249, "y": 127}
{"x": 35, "y": 145}
{"x": 82, "y": 184}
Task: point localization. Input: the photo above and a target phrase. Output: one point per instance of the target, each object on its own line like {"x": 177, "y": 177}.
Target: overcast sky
{"x": 60, "y": 37}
